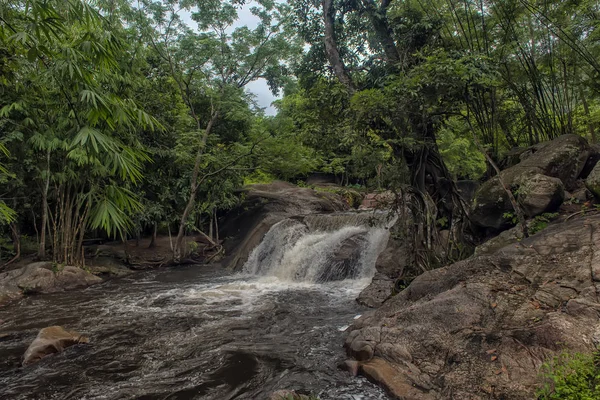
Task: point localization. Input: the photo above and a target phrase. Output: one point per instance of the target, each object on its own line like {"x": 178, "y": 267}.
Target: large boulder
{"x": 562, "y": 158}
{"x": 482, "y": 328}
{"x": 538, "y": 194}
{"x": 261, "y": 207}
{"x": 592, "y": 182}
{"x": 53, "y": 339}
{"x": 42, "y": 277}
{"x": 345, "y": 260}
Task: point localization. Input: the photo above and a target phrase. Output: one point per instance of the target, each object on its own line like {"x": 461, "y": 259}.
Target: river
{"x": 186, "y": 333}
{"x": 200, "y": 332}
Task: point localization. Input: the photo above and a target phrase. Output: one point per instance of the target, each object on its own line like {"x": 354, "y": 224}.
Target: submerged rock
{"x": 482, "y": 327}
{"x": 288, "y": 395}
{"x": 53, "y": 339}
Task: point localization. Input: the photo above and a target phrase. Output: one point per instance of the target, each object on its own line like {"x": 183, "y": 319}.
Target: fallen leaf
{"x": 494, "y": 358}
{"x": 492, "y": 351}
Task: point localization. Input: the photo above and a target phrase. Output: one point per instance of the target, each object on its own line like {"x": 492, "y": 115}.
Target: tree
{"x": 211, "y": 64}
{"x": 67, "y": 106}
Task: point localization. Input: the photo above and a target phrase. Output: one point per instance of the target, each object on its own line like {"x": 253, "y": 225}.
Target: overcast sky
{"x": 259, "y": 87}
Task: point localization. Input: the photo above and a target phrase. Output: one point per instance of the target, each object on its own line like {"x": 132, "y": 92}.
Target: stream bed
{"x": 187, "y": 333}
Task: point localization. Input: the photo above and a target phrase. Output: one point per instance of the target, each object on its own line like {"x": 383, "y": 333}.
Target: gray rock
{"x": 562, "y": 158}
{"x": 539, "y": 194}
{"x": 40, "y": 277}
{"x": 505, "y": 238}
{"x": 377, "y": 292}
{"x": 481, "y": 328}
{"x": 287, "y": 395}
{"x": 592, "y": 182}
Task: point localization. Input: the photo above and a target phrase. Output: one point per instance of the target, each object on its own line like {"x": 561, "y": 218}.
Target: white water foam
{"x": 321, "y": 248}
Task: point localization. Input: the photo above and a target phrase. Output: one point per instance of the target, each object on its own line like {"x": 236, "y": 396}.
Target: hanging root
{"x": 418, "y": 223}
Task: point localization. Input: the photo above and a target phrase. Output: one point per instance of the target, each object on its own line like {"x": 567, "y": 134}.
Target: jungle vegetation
{"x": 123, "y": 117}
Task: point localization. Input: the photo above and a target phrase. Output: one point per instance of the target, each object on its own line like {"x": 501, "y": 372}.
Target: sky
{"x": 259, "y": 87}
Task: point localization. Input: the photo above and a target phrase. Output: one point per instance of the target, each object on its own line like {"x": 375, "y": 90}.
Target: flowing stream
{"x": 200, "y": 333}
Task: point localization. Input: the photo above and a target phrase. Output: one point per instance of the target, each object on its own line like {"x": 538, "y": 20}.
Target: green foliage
{"x": 461, "y": 155}
{"x": 351, "y": 195}
{"x": 117, "y": 116}
{"x": 571, "y": 377}
{"x": 540, "y": 222}
{"x": 511, "y": 216}
{"x": 258, "y": 176}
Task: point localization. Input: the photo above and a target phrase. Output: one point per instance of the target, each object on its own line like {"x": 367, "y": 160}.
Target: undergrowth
{"x": 571, "y": 377}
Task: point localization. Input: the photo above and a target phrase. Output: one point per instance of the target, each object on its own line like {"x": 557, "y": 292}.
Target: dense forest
{"x": 121, "y": 118}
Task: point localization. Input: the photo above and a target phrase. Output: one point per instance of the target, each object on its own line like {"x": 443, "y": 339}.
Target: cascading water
{"x": 321, "y": 248}
{"x": 197, "y": 332}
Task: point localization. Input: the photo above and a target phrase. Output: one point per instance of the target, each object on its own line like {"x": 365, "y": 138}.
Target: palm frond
{"x": 111, "y": 208}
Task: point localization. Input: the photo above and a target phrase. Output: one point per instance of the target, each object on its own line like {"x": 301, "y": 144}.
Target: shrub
{"x": 571, "y": 377}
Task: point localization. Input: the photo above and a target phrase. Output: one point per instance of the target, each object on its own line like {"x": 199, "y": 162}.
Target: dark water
{"x": 188, "y": 333}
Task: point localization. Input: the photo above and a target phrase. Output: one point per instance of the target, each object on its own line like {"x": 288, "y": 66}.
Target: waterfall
{"x": 321, "y": 247}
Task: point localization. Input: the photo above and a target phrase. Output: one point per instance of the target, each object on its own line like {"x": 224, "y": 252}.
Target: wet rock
{"x": 262, "y": 206}
{"x": 562, "y": 158}
{"x": 108, "y": 267}
{"x": 288, "y": 395}
{"x": 592, "y": 182}
{"x": 351, "y": 366}
{"x": 393, "y": 262}
{"x": 345, "y": 261}
{"x": 41, "y": 277}
{"x": 51, "y": 340}
{"x": 377, "y": 292}
{"x": 486, "y": 324}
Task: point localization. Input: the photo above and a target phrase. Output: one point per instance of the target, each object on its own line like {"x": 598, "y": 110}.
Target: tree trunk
{"x": 586, "y": 109}
{"x": 16, "y": 237}
{"x": 42, "y": 244}
{"x": 216, "y": 227}
{"x": 381, "y": 28}
{"x": 179, "y": 242}
{"x": 333, "y": 54}
{"x": 153, "y": 240}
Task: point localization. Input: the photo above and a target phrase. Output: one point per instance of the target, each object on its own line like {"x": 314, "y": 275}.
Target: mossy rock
{"x": 593, "y": 181}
